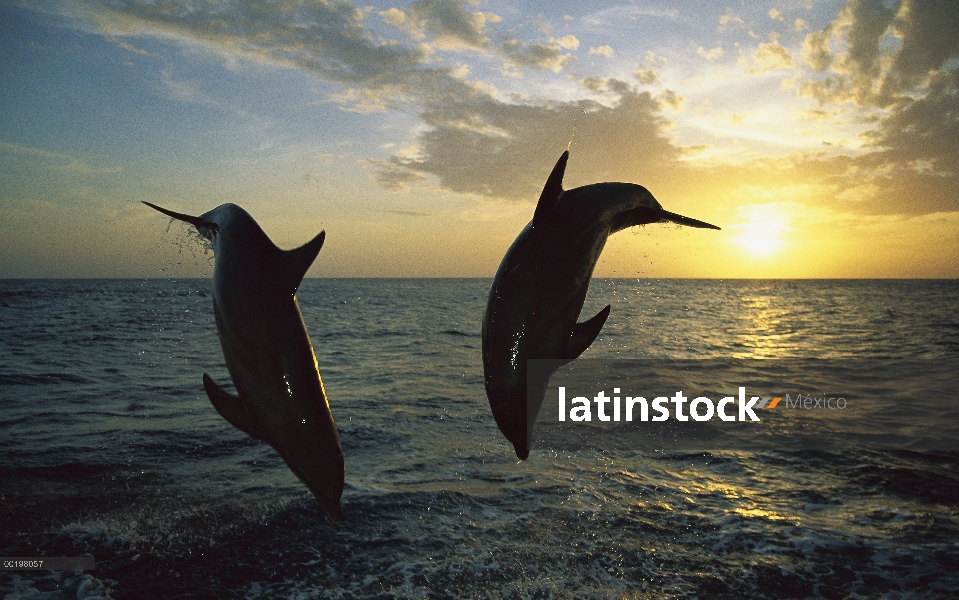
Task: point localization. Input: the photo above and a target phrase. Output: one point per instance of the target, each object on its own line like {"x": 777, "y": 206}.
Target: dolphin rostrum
{"x": 268, "y": 351}
{"x": 540, "y": 288}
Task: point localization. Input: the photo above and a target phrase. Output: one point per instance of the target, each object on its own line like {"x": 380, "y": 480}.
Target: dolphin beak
{"x": 681, "y": 220}
{"x": 522, "y": 450}
{"x": 331, "y": 505}
{"x": 204, "y": 227}
{"x": 332, "y": 508}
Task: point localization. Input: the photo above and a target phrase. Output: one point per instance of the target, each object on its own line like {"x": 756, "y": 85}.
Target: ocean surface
{"x": 110, "y": 448}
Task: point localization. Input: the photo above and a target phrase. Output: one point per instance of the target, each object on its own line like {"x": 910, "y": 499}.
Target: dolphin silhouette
{"x": 539, "y": 290}
{"x": 268, "y": 351}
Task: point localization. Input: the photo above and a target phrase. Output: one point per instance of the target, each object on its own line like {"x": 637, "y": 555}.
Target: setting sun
{"x": 761, "y": 239}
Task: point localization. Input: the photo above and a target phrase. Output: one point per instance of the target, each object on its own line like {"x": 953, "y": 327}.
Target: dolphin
{"x": 540, "y": 287}
{"x": 268, "y": 351}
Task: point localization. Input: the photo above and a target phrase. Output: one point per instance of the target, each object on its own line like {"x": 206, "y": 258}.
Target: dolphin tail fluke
{"x": 300, "y": 259}
{"x": 551, "y": 191}
{"x": 230, "y": 408}
{"x": 585, "y": 333}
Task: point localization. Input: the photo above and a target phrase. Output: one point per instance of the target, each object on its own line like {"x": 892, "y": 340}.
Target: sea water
{"x": 110, "y": 448}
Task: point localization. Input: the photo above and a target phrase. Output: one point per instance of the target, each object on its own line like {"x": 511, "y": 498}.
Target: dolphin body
{"x": 268, "y": 351}
{"x": 540, "y": 288}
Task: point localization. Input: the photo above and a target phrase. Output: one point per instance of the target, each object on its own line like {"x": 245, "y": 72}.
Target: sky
{"x": 821, "y": 136}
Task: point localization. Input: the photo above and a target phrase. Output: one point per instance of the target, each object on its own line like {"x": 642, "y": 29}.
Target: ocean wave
{"x": 43, "y": 379}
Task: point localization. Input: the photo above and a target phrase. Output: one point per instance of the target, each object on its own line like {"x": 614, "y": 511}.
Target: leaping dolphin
{"x": 540, "y": 287}
{"x": 268, "y": 351}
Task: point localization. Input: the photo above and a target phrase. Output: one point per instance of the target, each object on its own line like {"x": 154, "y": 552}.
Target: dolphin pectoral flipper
{"x": 300, "y": 259}
{"x": 230, "y": 408}
{"x": 585, "y": 333}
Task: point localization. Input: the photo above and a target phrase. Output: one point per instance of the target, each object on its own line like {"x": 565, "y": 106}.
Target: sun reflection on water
{"x": 762, "y": 333}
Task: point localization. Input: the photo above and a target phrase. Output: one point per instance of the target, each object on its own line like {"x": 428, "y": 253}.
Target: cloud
{"x": 654, "y": 60}
{"x": 769, "y": 56}
{"x": 650, "y": 76}
{"x": 395, "y": 176}
{"x": 882, "y": 182}
{"x": 569, "y": 42}
{"x": 869, "y": 22}
{"x": 671, "y": 99}
{"x": 896, "y": 66}
{"x": 61, "y": 162}
{"x": 647, "y": 76}
{"x": 712, "y": 54}
{"x": 480, "y": 145}
{"x": 394, "y": 16}
{"x": 328, "y": 39}
{"x": 915, "y": 147}
{"x": 128, "y": 47}
{"x": 371, "y": 100}
{"x": 728, "y": 20}
{"x": 924, "y": 129}
{"x": 454, "y": 27}
{"x": 409, "y": 213}
{"x": 448, "y": 21}
{"x": 874, "y": 54}
{"x": 604, "y": 51}
{"x": 894, "y": 62}
{"x": 182, "y": 91}
{"x": 929, "y": 40}
{"x": 597, "y": 85}
{"x": 331, "y": 39}
{"x": 545, "y": 57}
{"x": 816, "y": 51}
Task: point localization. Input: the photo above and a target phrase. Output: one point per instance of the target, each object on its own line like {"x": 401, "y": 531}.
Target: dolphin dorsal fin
{"x": 300, "y": 259}
{"x": 585, "y": 333}
{"x": 231, "y": 408}
{"x": 552, "y": 190}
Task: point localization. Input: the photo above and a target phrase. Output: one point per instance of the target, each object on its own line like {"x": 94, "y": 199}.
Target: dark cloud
{"x": 870, "y": 21}
{"x": 330, "y": 39}
{"x": 923, "y": 129}
{"x": 929, "y": 39}
{"x": 647, "y": 76}
{"x": 902, "y": 59}
{"x": 898, "y": 60}
{"x": 396, "y": 176}
{"x": 481, "y": 145}
{"x": 915, "y": 149}
{"x": 890, "y": 50}
{"x": 449, "y": 21}
{"x": 326, "y": 38}
{"x": 542, "y": 56}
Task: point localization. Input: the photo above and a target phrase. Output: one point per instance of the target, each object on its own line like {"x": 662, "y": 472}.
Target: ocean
{"x": 109, "y": 447}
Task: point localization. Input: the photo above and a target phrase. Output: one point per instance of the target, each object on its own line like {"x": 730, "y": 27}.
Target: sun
{"x": 761, "y": 238}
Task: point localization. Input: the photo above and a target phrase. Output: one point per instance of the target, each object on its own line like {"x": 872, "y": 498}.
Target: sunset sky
{"x": 821, "y": 136}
